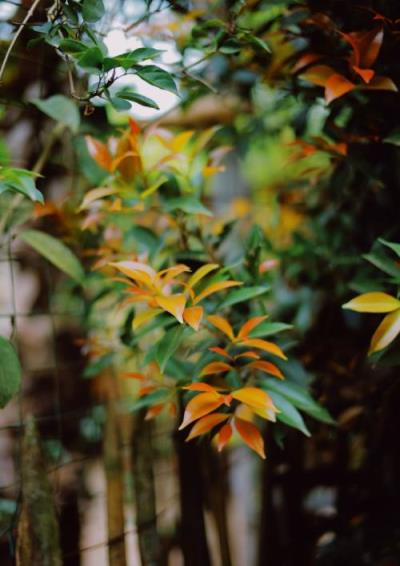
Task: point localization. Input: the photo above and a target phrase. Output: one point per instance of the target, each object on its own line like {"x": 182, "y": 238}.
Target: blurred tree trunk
{"x": 191, "y": 483}
{"x": 38, "y": 531}
{"x": 145, "y": 496}
{"x": 113, "y": 464}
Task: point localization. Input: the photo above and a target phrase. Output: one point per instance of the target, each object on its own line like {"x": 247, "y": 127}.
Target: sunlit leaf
{"x": 264, "y": 345}
{"x": 336, "y": 86}
{"x": 193, "y": 316}
{"x": 258, "y": 400}
{"x": 215, "y": 367}
{"x": 224, "y": 436}
{"x": 201, "y": 273}
{"x": 386, "y": 332}
{"x": 373, "y": 302}
{"x": 249, "y": 325}
{"x": 222, "y": 324}
{"x": 215, "y": 288}
{"x": 174, "y": 304}
{"x": 251, "y": 436}
{"x": 267, "y": 367}
{"x": 205, "y": 424}
{"x": 200, "y": 406}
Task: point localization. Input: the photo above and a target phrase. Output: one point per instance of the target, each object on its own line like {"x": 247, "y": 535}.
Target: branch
{"x": 28, "y": 16}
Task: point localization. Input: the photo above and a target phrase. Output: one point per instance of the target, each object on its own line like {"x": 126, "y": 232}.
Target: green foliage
{"x": 10, "y": 372}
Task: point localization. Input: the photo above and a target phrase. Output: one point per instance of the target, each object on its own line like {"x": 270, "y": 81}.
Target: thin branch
{"x": 28, "y": 16}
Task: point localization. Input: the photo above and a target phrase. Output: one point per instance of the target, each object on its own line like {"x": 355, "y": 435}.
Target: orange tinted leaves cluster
{"x": 193, "y": 316}
{"x": 205, "y": 424}
{"x": 264, "y": 345}
{"x": 215, "y": 288}
{"x": 257, "y": 400}
{"x": 251, "y": 436}
{"x": 215, "y": 367}
{"x": 267, "y": 367}
{"x": 201, "y": 405}
{"x": 222, "y": 324}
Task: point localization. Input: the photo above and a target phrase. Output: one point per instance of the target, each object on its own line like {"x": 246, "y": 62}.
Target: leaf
{"x": 299, "y": 397}
{"x": 269, "y": 347}
{"x": 188, "y": 204}
{"x": 263, "y": 365}
{"x": 138, "y": 98}
{"x": 61, "y": 109}
{"x": 193, "y": 316}
{"x": 288, "y": 414}
{"x": 174, "y": 304}
{"x": 144, "y": 317}
{"x": 336, "y": 86}
{"x": 386, "y": 332}
{"x": 10, "y": 372}
{"x": 373, "y": 302}
{"x": 157, "y": 77}
{"x": 56, "y": 252}
{"x": 92, "y": 10}
{"x": 251, "y": 436}
{"x": 200, "y": 386}
{"x": 21, "y": 181}
{"x": 258, "y": 400}
{"x": 215, "y": 367}
{"x": 269, "y": 329}
{"x": 222, "y": 324}
{"x": 392, "y": 245}
{"x": 249, "y": 325}
{"x": 91, "y": 59}
{"x": 215, "y": 288}
{"x": 242, "y": 295}
{"x": 224, "y": 436}
{"x": 199, "y": 406}
{"x": 100, "y": 153}
{"x": 200, "y": 273}
{"x": 206, "y": 424}
{"x": 96, "y": 194}
{"x": 151, "y": 399}
{"x": 168, "y": 345}
{"x": 380, "y": 83}
{"x": 387, "y": 266}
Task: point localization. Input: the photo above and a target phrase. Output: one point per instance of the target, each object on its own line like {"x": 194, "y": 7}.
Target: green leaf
{"x": 168, "y": 345}
{"x": 243, "y": 294}
{"x": 392, "y": 245}
{"x": 21, "y": 181}
{"x": 299, "y": 397}
{"x": 157, "y": 77}
{"x": 260, "y": 43}
{"x": 269, "y": 328}
{"x": 10, "y": 372}
{"x": 54, "y": 251}
{"x": 138, "y": 98}
{"x": 386, "y": 265}
{"x": 72, "y": 46}
{"x": 99, "y": 365}
{"x": 188, "y": 204}
{"x": 153, "y": 398}
{"x": 288, "y": 413}
{"x": 61, "y": 109}
{"x": 128, "y": 60}
{"x": 92, "y": 10}
{"x": 393, "y": 139}
{"x": 91, "y": 59}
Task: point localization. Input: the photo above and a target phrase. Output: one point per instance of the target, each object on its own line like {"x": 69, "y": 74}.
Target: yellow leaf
{"x": 96, "y": 194}
{"x": 168, "y": 274}
{"x": 267, "y": 367}
{"x": 206, "y": 424}
{"x": 223, "y": 436}
{"x": 214, "y": 288}
{"x": 193, "y": 316}
{"x": 201, "y": 386}
{"x": 249, "y": 354}
{"x": 201, "y": 405}
{"x": 222, "y": 324}
{"x": 215, "y": 367}
{"x": 145, "y": 316}
{"x": 136, "y": 271}
{"x": 251, "y": 436}
{"x": 179, "y": 141}
{"x": 386, "y": 332}
{"x": 174, "y": 304}
{"x": 249, "y": 325}
{"x": 201, "y": 272}
{"x": 269, "y": 347}
{"x": 373, "y": 302}
{"x": 258, "y": 400}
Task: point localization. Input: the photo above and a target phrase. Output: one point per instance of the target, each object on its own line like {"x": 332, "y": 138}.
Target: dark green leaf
{"x": 288, "y": 413}
{"x": 138, "y": 98}
{"x": 157, "y": 77}
{"x": 54, "y": 251}
{"x": 92, "y": 10}
{"x": 168, "y": 345}
{"x": 91, "y": 59}
{"x": 243, "y": 294}
{"x": 10, "y": 372}
{"x": 392, "y": 245}
{"x": 386, "y": 265}
{"x": 269, "y": 328}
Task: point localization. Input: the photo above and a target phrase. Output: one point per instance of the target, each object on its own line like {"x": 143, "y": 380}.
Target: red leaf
{"x": 251, "y": 436}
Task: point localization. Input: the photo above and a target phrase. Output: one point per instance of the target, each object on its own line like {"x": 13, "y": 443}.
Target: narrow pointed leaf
{"x": 386, "y": 332}
{"x": 251, "y": 436}
{"x": 373, "y": 302}
{"x": 205, "y": 424}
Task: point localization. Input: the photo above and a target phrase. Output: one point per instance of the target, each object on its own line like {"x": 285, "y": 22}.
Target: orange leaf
{"x": 249, "y": 325}
{"x": 193, "y": 316}
{"x": 132, "y": 375}
{"x": 366, "y": 46}
{"x": 336, "y": 86}
{"x": 206, "y": 424}
{"x": 201, "y": 405}
{"x": 318, "y": 74}
{"x": 174, "y": 304}
{"x": 224, "y": 436}
{"x": 145, "y": 390}
{"x": 145, "y": 316}
{"x": 222, "y": 324}
{"x": 258, "y": 400}
{"x": 220, "y": 351}
{"x": 99, "y": 152}
{"x": 380, "y": 83}
{"x": 153, "y": 411}
{"x": 214, "y": 288}
{"x": 248, "y": 355}
{"x": 251, "y": 436}
{"x": 386, "y": 332}
{"x": 366, "y": 74}
{"x": 171, "y": 272}
{"x": 269, "y": 347}
{"x": 267, "y": 367}
{"x": 137, "y": 271}
{"x": 215, "y": 367}
{"x": 201, "y": 386}
{"x": 96, "y": 194}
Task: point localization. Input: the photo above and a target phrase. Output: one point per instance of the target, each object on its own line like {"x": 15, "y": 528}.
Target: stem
{"x": 28, "y": 16}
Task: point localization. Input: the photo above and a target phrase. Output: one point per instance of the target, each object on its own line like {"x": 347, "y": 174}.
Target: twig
{"x": 28, "y": 16}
